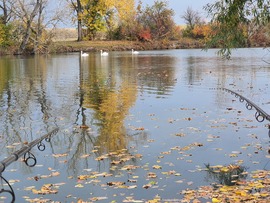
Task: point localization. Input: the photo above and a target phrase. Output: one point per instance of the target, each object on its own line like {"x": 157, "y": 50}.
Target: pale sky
{"x": 180, "y": 6}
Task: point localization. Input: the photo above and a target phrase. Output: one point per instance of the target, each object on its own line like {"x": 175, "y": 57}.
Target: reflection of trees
{"x": 110, "y": 96}
{"x": 38, "y": 98}
{"x": 194, "y": 73}
{"x": 113, "y": 111}
{"x": 23, "y": 99}
{"x": 226, "y": 175}
{"x": 105, "y": 97}
{"x": 5, "y": 72}
{"x": 157, "y": 72}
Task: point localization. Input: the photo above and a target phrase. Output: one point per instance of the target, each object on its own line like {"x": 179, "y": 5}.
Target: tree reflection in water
{"x": 104, "y": 103}
{"x": 226, "y": 175}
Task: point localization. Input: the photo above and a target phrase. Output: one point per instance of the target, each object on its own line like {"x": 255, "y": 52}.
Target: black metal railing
{"x": 29, "y": 159}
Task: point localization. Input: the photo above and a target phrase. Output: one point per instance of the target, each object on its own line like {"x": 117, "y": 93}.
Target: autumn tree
{"x": 6, "y": 10}
{"x": 24, "y": 23}
{"x": 121, "y": 19}
{"x": 5, "y": 35}
{"x": 93, "y": 16}
{"x": 5, "y": 26}
{"x": 202, "y": 31}
{"x": 192, "y": 18}
{"x": 158, "y": 19}
{"x": 106, "y": 15}
{"x": 78, "y": 8}
{"x": 230, "y": 19}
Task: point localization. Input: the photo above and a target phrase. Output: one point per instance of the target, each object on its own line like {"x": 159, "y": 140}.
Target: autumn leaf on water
{"x": 139, "y": 128}
{"x": 132, "y": 180}
{"x": 98, "y": 198}
{"x": 180, "y": 134}
{"x": 151, "y": 175}
{"x": 215, "y": 200}
{"x": 85, "y": 156}
{"x": 45, "y": 189}
{"x": 100, "y": 158}
{"x": 115, "y": 162}
{"x": 156, "y": 167}
{"x": 147, "y": 186}
{"x": 138, "y": 155}
{"x": 79, "y": 185}
{"x": 116, "y": 183}
{"x": 129, "y": 167}
{"x": 59, "y": 155}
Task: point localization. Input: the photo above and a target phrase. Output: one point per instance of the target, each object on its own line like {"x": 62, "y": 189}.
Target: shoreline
{"x": 121, "y": 45}
{"x": 94, "y": 46}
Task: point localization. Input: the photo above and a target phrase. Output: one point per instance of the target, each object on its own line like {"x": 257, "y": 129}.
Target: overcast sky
{"x": 180, "y": 6}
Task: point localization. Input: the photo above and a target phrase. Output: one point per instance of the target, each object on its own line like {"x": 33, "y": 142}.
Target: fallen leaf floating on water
{"x": 116, "y": 183}
{"x": 168, "y": 152}
{"x": 94, "y": 175}
{"x": 180, "y": 134}
{"x": 85, "y": 156}
{"x": 45, "y": 189}
{"x": 171, "y": 120}
{"x": 132, "y": 180}
{"x": 98, "y": 198}
{"x": 147, "y": 186}
{"x": 100, "y": 158}
{"x": 139, "y": 128}
{"x": 138, "y": 155}
{"x": 59, "y": 155}
{"x": 151, "y": 175}
{"x": 255, "y": 190}
{"x": 115, "y": 162}
{"x": 129, "y": 167}
{"x": 156, "y": 167}
{"x": 79, "y": 185}
{"x": 131, "y": 187}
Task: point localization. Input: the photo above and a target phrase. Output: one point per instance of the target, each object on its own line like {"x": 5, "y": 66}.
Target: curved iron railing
{"x": 29, "y": 159}
{"x": 260, "y": 114}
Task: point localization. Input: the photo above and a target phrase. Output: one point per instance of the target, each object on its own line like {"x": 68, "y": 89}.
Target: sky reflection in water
{"x": 159, "y": 108}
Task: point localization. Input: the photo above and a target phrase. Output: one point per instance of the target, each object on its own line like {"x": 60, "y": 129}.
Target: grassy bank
{"x": 93, "y": 46}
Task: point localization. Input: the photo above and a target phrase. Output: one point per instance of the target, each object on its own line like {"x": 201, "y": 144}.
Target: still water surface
{"x": 124, "y": 117}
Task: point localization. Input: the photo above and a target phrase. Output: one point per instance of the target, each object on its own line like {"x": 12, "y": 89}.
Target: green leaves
{"x": 231, "y": 22}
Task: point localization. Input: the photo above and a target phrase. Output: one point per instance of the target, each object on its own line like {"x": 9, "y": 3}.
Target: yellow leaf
{"x": 224, "y": 169}
{"x": 215, "y": 200}
{"x": 157, "y": 167}
{"x": 79, "y": 185}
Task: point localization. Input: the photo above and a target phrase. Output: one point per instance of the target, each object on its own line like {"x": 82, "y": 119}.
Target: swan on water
{"x": 134, "y": 52}
{"x": 104, "y": 53}
{"x": 84, "y": 54}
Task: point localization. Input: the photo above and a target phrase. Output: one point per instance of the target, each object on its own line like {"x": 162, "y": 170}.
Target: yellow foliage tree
{"x": 106, "y": 15}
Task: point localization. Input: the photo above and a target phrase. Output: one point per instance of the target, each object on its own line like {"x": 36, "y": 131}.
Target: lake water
{"x": 131, "y": 127}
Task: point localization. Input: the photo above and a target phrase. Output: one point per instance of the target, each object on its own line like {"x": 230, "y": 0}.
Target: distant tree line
{"x": 26, "y": 26}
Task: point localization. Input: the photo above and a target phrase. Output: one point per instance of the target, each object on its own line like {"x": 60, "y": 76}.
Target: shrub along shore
{"x": 93, "y": 46}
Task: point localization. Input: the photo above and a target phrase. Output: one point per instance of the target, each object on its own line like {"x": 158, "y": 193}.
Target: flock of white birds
{"x": 104, "y": 53}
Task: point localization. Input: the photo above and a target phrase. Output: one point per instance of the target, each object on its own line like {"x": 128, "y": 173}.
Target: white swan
{"x": 104, "y": 53}
{"x": 134, "y": 52}
{"x": 84, "y": 54}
